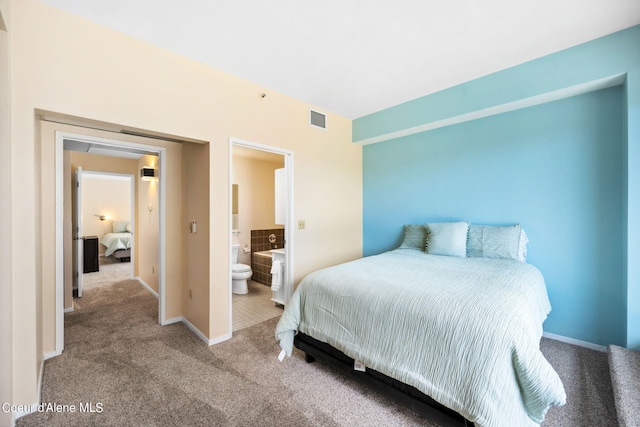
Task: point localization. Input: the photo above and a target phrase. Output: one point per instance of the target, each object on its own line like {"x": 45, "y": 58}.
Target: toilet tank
{"x": 234, "y": 253}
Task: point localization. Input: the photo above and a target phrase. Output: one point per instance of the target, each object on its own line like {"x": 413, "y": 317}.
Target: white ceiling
{"x": 355, "y": 57}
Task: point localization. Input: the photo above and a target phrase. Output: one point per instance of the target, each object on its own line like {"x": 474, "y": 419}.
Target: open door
{"x": 78, "y": 266}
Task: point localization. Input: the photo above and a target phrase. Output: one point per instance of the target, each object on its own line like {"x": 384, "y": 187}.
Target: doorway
{"x": 66, "y": 141}
{"x": 104, "y": 226}
{"x": 252, "y": 219}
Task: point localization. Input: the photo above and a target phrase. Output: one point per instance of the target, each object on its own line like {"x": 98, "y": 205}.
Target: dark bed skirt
{"x": 404, "y": 394}
{"x": 122, "y": 254}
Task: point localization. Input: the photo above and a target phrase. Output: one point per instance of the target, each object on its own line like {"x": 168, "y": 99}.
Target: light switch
{"x": 301, "y": 224}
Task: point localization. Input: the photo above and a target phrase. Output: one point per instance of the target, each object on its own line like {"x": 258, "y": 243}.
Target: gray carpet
{"x": 624, "y": 365}
{"x": 140, "y": 373}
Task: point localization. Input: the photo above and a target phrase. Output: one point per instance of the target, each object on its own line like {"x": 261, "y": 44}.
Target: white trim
{"x": 34, "y": 406}
{"x": 219, "y": 339}
{"x": 59, "y": 255}
{"x": 162, "y": 237}
{"x": 556, "y": 95}
{"x": 69, "y": 310}
{"x": 200, "y": 334}
{"x": 149, "y": 288}
{"x": 60, "y": 136}
{"x": 195, "y": 330}
{"x": 574, "y": 342}
{"x": 288, "y": 227}
{"x": 51, "y": 355}
{"x": 173, "y": 320}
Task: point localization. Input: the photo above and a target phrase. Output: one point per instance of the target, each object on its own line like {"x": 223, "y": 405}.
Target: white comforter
{"x": 115, "y": 241}
{"x": 465, "y": 331}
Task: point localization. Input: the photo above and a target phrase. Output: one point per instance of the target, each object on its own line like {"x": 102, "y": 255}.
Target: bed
{"x": 463, "y": 331}
{"x": 118, "y": 243}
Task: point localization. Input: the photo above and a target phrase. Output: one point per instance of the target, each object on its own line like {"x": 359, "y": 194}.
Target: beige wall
{"x": 104, "y": 196}
{"x": 196, "y": 255}
{"x": 5, "y": 219}
{"x": 147, "y": 255}
{"x": 256, "y": 198}
{"x": 110, "y": 78}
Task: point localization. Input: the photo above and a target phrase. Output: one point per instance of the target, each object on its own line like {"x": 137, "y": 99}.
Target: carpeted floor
{"x": 111, "y": 270}
{"x": 624, "y": 365}
{"x": 134, "y": 372}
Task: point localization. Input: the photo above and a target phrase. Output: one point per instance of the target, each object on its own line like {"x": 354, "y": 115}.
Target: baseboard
{"x": 219, "y": 339}
{"x": 30, "y": 409}
{"x": 203, "y": 336}
{"x": 52, "y": 354}
{"x": 172, "y": 321}
{"x": 40, "y": 378}
{"x": 573, "y": 341}
{"x": 69, "y": 310}
{"x": 149, "y": 288}
{"x": 195, "y": 330}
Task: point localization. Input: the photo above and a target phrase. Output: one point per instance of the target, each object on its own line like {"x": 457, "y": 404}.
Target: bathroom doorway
{"x": 256, "y": 230}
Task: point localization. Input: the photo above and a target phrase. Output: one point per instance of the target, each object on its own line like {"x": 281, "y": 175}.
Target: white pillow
{"x": 522, "y": 247}
{"x": 507, "y": 242}
{"x": 447, "y": 238}
{"x": 120, "y": 226}
{"x": 128, "y": 227}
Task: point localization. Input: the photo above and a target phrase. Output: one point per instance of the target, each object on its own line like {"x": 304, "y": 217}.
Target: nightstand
{"x": 90, "y": 254}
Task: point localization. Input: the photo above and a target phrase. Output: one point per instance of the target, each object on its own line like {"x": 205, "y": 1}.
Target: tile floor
{"x": 254, "y": 307}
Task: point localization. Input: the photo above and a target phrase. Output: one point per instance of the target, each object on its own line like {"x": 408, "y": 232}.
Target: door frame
{"x": 60, "y": 136}
{"x": 288, "y": 227}
{"x": 76, "y": 252}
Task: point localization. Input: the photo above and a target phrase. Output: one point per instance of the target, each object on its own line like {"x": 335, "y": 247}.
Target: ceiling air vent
{"x": 317, "y": 119}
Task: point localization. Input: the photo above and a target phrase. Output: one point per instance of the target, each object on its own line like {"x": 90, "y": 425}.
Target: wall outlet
{"x": 301, "y": 224}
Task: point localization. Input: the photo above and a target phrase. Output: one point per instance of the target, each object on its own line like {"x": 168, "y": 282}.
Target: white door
{"x": 77, "y": 237}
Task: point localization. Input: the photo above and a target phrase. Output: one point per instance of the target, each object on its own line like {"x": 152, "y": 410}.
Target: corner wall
{"x": 554, "y": 168}
{"x": 196, "y": 273}
{"x": 147, "y": 247}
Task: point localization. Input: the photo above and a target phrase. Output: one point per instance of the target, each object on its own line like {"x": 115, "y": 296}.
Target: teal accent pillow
{"x": 415, "y": 237}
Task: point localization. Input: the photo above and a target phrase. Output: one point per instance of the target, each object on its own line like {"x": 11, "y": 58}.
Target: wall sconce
{"x": 147, "y": 173}
{"x": 101, "y": 217}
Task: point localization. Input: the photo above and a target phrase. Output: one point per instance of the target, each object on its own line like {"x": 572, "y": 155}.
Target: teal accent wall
{"x": 567, "y": 170}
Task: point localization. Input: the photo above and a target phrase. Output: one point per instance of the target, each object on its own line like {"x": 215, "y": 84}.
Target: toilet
{"x": 240, "y": 273}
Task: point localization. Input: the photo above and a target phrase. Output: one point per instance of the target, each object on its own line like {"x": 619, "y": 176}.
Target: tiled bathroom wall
{"x": 261, "y": 264}
{"x": 260, "y": 239}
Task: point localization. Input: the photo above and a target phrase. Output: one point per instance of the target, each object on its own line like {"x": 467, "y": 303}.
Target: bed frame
{"x": 122, "y": 255}
{"x": 402, "y": 393}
